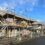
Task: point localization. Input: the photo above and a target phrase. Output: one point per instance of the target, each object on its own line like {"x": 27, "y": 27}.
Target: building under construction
{"x": 10, "y": 24}
{"x": 15, "y": 29}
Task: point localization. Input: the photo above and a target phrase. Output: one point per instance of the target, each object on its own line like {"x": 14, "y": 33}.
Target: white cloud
{"x": 11, "y": 4}
{"x": 33, "y": 2}
{"x": 4, "y": 5}
{"x": 2, "y": 10}
{"x": 21, "y": 2}
{"x": 24, "y": 2}
{"x": 29, "y": 9}
{"x": 39, "y": 20}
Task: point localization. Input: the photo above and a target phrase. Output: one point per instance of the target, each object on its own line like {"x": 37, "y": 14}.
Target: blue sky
{"x": 34, "y": 9}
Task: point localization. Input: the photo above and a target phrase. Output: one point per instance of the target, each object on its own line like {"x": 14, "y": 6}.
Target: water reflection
{"x": 36, "y": 41}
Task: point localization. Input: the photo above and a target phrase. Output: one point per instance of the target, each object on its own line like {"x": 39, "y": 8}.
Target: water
{"x": 36, "y": 41}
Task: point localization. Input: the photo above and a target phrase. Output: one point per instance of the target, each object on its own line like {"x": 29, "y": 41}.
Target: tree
{"x": 24, "y": 24}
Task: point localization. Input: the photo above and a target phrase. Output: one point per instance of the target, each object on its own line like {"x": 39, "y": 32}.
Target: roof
{"x": 7, "y": 12}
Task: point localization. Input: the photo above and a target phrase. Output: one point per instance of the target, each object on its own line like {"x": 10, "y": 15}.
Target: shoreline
{"x": 30, "y": 40}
